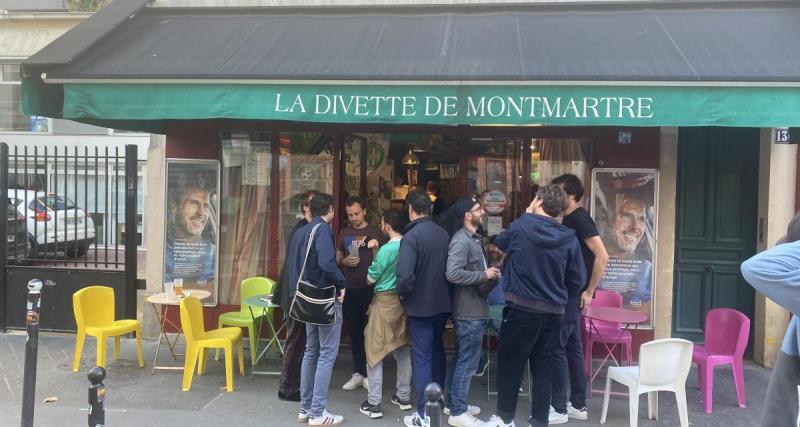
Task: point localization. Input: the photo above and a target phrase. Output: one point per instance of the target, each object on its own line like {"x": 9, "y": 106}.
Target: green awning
{"x": 147, "y": 106}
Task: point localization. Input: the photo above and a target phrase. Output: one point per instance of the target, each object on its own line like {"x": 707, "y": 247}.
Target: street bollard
{"x": 97, "y": 397}
{"x": 433, "y": 394}
{"x": 31, "y": 350}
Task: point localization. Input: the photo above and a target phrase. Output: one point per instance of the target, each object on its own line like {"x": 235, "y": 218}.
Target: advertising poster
{"x": 192, "y": 226}
{"x": 624, "y": 208}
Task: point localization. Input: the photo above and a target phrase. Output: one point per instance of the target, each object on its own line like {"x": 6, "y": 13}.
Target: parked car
{"x": 54, "y": 223}
{"x": 17, "y": 234}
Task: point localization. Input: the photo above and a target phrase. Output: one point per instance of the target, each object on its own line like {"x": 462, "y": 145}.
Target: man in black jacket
{"x": 426, "y": 296}
{"x": 295, "y": 346}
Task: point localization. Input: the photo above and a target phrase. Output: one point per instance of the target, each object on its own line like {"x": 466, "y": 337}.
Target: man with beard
{"x": 468, "y": 270}
{"x": 628, "y": 225}
{"x": 190, "y": 212}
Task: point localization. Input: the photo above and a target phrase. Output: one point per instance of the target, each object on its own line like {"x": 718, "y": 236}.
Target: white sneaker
{"x": 577, "y": 414}
{"x": 557, "y": 418}
{"x": 471, "y": 409}
{"x": 326, "y": 419}
{"x": 496, "y": 421}
{"x": 414, "y": 420}
{"x": 356, "y": 381}
{"x": 463, "y": 420}
{"x": 302, "y": 416}
{"x": 365, "y": 383}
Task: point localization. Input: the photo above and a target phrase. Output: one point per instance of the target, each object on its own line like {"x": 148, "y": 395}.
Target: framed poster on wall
{"x": 625, "y": 208}
{"x": 192, "y": 225}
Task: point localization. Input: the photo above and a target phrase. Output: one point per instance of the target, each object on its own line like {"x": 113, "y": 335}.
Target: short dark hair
{"x": 572, "y": 185}
{"x": 395, "y": 218}
{"x": 321, "y": 204}
{"x": 306, "y": 196}
{"x": 352, "y": 200}
{"x": 554, "y": 199}
{"x": 419, "y": 201}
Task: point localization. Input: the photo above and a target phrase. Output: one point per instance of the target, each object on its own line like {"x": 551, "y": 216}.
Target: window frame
{"x": 19, "y": 83}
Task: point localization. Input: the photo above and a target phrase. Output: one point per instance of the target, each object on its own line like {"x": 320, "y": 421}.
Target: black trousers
{"x": 531, "y": 338}
{"x": 293, "y": 351}
{"x": 354, "y": 310}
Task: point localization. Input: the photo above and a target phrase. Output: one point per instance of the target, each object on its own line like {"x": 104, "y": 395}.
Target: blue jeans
{"x": 568, "y": 362}
{"x": 469, "y": 340}
{"x": 427, "y": 354}
{"x": 322, "y": 347}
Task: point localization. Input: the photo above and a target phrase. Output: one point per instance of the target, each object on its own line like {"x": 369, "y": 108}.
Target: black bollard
{"x": 31, "y": 351}
{"x": 97, "y": 397}
{"x": 433, "y": 394}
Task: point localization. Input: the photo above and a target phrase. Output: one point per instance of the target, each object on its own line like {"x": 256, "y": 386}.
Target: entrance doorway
{"x": 716, "y": 224}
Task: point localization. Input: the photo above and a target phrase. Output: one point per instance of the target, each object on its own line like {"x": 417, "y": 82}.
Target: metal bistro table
{"x": 628, "y": 318}
{"x": 264, "y": 304}
{"x": 167, "y": 300}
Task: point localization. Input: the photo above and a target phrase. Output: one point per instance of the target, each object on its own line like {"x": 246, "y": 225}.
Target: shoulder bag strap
{"x": 308, "y": 251}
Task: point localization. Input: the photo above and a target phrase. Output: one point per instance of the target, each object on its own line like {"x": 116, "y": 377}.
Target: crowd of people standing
{"x": 398, "y": 284}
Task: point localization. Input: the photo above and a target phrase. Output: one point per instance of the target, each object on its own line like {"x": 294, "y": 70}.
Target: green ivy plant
{"x": 84, "y": 5}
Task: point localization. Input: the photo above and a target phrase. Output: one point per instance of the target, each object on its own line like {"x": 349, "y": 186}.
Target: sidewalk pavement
{"x": 136, "y": 398}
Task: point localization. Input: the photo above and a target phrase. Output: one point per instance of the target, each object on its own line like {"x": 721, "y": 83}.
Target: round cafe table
{"x": 628, "y": 319}
{"x": 167, "y": 300}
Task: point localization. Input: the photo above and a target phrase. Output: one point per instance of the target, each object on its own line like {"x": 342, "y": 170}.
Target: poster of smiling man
{"x": 624, "y": 208}
{"x": 192, "y": 226}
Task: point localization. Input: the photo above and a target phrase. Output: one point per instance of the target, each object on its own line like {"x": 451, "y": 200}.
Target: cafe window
{"x": 495, "y": 175}
{"x": 554, "y": 157}
{"x": 11, "y": 119}
{"x": 306, "y": 163}
{"x": 245, "y": 211}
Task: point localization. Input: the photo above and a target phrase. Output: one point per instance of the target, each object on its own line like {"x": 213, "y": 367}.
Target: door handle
{"x": 709, "y": 269}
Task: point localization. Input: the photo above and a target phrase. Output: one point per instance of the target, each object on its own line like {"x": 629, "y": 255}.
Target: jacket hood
{"x": 546, "y": 232}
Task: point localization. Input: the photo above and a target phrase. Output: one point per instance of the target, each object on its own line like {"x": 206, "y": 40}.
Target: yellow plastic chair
{"x": 198, "y": 341}
{"x": 94, "y": 313}
{"x": 242, "y": 318}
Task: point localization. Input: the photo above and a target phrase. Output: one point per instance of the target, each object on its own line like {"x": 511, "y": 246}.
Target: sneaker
{"x": 577, "y": 414}
{"x": 370, "y": 410}
{"x": 471, "y": 409}
{"x": 302, "y": 416}
{"x": 463, "y": 420}
{"x": 557, "y": 417}
{"x": 404, "y": 405}
{"x": 496, "y": 421}
{"x": 481, "y": 369}
{"x": 365, "y": 383}
{"x": 414, "y": 420}
{"x": 326, "y": 419}
{"x": 356, "y": 381}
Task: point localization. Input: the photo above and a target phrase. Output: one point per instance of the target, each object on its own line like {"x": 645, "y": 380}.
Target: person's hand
{"x": 340, "y": 298}
{"x": 586, "y": 299}
{"x": 350, "y": 261}
{"x": 492, "y": 273}
{"x": 372, "y": 244}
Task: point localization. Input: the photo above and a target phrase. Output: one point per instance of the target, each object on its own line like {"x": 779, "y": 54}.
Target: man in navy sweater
{"x": 543, "y": 264}
{"x": 425, "y": 293}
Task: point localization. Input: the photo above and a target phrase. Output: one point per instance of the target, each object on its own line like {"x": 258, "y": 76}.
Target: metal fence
{"x": 68, "y": 203}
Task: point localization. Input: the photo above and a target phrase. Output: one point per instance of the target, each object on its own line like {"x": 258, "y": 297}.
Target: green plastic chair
{"x": 242, "y": 318}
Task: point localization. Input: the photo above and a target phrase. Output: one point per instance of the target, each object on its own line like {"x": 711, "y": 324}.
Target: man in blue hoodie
{"x": 776, "y": 274}
{"x": 426, "y": 297}
{"x": 543, "y": 265}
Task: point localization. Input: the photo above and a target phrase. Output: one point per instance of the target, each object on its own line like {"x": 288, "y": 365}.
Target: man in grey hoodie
{"x": 776, "y": 274}
{"x": 468, "y": 270}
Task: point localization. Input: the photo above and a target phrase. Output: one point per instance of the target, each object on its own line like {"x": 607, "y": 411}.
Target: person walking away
{"x": 322, "y": 342}
{"x": 543, "y": 265}
{"x": 354, "y": 258}
{"x": 776, "y": 274}
{"x": 469, "y": 272}
{"x": 295, "y": 344}
{"x": 387, "y": 329}
{"x": 426, "y": 297}
{"x": 568, "y": 364}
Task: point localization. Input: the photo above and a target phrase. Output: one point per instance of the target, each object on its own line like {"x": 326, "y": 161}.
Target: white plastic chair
{"x": 663, "y": 365}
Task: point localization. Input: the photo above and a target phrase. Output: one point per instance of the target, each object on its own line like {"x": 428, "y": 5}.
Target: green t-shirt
{"x": 383, "y": 269}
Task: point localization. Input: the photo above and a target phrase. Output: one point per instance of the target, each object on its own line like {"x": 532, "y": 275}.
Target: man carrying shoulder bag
{"x": 315, "y": 271}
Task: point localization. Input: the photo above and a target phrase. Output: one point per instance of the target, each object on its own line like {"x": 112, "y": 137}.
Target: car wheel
{"x": 81, "y": 252}
{"x": 32, "y": 247}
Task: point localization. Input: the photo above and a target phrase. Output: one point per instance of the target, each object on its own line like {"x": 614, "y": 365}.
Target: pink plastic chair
{"x": 605, "y": 332}
{"x": 727, "y": 333}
